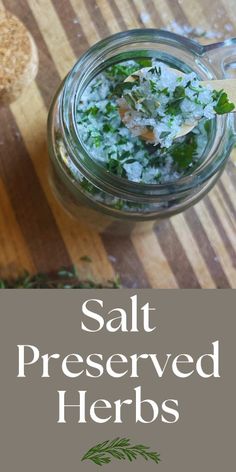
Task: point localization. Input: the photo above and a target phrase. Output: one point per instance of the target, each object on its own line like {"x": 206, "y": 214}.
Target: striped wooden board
{"x": 191, "y": 250}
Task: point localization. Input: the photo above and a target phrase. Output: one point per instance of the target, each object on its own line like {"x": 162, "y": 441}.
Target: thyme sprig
{"x": 121, "y": 449}
{"x": 63, "y": 278}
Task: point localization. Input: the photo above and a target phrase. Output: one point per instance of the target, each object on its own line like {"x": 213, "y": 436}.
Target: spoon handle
{"x": 228, "y": 85}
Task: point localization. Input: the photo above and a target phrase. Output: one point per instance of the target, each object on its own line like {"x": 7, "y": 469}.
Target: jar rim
{"x": 95, "y": 172}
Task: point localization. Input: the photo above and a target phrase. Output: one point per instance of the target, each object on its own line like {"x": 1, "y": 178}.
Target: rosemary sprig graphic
{"x": 121, "y": 449}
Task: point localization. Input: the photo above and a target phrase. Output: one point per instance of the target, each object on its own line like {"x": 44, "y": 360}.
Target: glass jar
{"x": 87, "y": 189}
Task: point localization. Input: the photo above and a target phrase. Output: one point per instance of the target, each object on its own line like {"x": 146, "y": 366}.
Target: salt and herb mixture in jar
{"x": 114, "y": 145}
{"x": 157, "y": 100}
{"x": 101, "y": 121}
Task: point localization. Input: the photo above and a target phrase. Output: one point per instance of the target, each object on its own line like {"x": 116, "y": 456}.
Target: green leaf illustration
{"x": 120, "y": 449}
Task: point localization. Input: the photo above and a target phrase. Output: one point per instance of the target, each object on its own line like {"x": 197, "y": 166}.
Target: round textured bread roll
{"x": 18, "y": 57}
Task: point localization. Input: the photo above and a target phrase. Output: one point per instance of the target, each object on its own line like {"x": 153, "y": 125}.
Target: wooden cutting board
{"x": 192, "y": 250}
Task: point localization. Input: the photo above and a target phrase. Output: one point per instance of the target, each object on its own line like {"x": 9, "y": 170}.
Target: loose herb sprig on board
{"x": 63, "y": 278}
{"x": 121, "y": 449}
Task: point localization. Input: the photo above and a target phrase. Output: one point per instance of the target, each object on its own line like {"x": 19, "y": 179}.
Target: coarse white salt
{"x": 145, "y": 17}
{"x": 192, "y": 32}
{"x": 229, "y": 27}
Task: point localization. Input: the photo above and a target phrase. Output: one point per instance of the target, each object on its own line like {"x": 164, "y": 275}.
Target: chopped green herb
{"x": 115, "y": 167}
{"x": 88, "y": 186}
{"x": 165, "y": 92}
{"x": 184, "y": 153}
{"x": 130, "y": 100}
{"x": 223, "y": 104}
{"x": 119, "y": 204}
{"x": 158, "y": 176}
{"x": 107, "y": 127}
{"x": 97, "y": 138}
{"x": 145, "y": 107}
{"x": 110, "y": 107}
{"x": 119, "y": 72}
{"x": 173, "y": 106}
{"x": 145, "y": 62}
{"x": 130, "y": 161}
{"x": 120, "y": 88}
{"x": 179, "y": 93}
{"x": 207, "y": 126}
{"x": 92, "y": 111}
{"x": 156, "y": 70}
{"x": 164, "y": 134}
{"x": 123, "y": 155}
{"x": 153, "y": 86}
{"x": 122, "y": 140}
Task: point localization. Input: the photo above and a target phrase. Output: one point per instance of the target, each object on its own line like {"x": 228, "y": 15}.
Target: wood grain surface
{"x": 195, "y": 249}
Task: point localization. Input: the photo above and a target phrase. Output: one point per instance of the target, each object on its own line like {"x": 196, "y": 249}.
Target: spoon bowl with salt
{"x": 225, "y": 87}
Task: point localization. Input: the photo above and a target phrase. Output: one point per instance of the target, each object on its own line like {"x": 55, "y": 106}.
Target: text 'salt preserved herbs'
{"x": 120, "y": 449}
